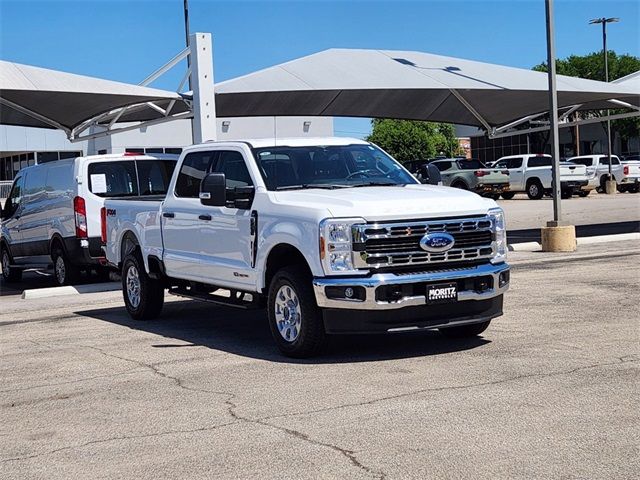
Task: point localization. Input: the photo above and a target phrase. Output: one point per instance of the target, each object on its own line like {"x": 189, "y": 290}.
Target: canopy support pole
{"x": 472, "y": 110}
{"x": 33, "y": 114}
{"x": 204, "y": 107}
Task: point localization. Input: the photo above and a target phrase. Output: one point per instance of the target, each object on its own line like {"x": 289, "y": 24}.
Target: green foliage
{"x": 408, "y": 140}
{"x": 591, "y": 66}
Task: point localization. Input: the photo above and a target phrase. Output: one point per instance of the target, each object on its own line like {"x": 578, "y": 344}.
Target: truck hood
{"x": 390, "y": 203}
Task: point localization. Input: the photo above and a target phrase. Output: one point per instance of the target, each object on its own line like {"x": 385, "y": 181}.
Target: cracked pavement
{"x": 550, "y": 390}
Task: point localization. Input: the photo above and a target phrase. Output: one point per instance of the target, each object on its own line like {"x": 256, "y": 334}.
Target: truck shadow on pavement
{"x": 247, "y": 333}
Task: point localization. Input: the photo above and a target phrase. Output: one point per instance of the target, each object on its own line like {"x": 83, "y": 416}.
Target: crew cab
{"x": 471, "y": 174}
{"x": 330, "y": 235}
{"x": 531, "y": 173}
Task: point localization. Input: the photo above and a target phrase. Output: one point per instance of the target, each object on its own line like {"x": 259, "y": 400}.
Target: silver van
{"x": 52, "y": 214}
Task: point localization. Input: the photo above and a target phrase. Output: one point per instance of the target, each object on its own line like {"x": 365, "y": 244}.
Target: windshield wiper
{"x": 306, "y": 186}
{"x": 378, "y": 184}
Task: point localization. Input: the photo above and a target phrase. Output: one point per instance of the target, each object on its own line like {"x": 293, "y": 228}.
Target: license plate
{"x": 442, "y": 293}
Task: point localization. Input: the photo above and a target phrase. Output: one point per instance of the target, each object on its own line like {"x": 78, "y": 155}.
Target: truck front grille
{"x": 394, "y": 244}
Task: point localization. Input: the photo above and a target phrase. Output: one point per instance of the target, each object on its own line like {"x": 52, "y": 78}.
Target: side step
{"x": 220, "y": 296}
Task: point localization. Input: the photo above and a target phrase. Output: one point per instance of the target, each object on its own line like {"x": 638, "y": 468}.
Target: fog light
{"x": 345, "y": 293}
{"x": 503, "y": 279}
{"x": 348, "y": 292}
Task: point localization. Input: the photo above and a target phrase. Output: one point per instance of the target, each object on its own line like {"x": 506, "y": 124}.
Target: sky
{"x": 125, "y": 40}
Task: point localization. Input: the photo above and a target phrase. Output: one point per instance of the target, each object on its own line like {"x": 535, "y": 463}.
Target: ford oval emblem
{"x": 437, "y": 242}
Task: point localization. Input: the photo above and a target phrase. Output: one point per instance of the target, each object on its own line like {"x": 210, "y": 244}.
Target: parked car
{"x": 52, "y": 215}
{"x": 531, "y": 173}
{"x": 469, "y": 174}
{"x": 598, "y": 169}
{"x": 631, "y": 175}
{"x": 331, "y": 235}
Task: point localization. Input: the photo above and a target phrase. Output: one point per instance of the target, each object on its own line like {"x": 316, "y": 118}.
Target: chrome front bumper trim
{"x": 370, "y": 284}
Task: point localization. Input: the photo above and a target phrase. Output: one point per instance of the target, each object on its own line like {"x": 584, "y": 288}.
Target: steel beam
{"x": 204, "y": 109}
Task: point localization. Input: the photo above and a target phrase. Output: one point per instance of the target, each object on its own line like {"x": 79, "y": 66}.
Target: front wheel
{"x": 566, "y": 194}
{"x": 463, "y": 331}
{"x": 9, "y": 274}
{"x": 294, "y": 318}
{"x": 143, "y": 295}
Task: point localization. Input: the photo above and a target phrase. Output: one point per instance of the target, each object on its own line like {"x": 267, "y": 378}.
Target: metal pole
{"x": 186, "y": 34}
{"x": 204, "y": 107}
{"x": 606, "y": 79}
{"x": 553, "y": 115}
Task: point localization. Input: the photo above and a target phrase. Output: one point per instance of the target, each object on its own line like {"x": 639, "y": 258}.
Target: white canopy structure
{"x": 38, "y": 97}
{"x": 412, "y": 85}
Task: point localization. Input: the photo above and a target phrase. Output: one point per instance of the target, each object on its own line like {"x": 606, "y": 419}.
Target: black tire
{"x": 472, "y": 330}
{"x": 566, "y": 194}
{"x": 460, "y": 185}
{"x": 9, "y": 274}
{"x": 143, "y": 295}
{"x": 494, "y": 196}
{"x": 635, "y": 188}
{"x": 535, "y": 190}
{"x": 64, "y": 272}
{"x": 508, "y": 195}
{"x": 307, "y": 333}
{"x": 584, "y": 193}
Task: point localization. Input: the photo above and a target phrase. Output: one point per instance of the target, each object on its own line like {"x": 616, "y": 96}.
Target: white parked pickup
{"x": 531, "y": 173}
{"x": 331, "y": 235}
{"x": 626, "y": 174}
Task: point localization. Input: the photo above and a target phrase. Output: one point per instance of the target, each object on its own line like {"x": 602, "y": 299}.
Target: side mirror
{"x": 213, "y": 190}
{"x": 431, "y": 175}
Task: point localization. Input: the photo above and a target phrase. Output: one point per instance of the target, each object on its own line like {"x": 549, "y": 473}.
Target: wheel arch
{"x": 280, "y": 256}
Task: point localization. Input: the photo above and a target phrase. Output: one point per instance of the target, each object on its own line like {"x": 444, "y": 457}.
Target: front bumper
{"x": 391, "y": 291}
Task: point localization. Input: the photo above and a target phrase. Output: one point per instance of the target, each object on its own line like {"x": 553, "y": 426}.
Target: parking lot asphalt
{"x": 550, "y": 390}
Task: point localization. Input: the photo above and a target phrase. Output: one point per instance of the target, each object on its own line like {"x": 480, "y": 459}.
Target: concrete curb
{"x": 536, "y": 247}
{"x": 69, "y": 290}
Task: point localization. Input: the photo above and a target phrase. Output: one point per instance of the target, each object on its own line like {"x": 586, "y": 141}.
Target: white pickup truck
{"x": 531, "y": 173}
{"x": 332, "y": 235}
{"x": 626, "y": 174}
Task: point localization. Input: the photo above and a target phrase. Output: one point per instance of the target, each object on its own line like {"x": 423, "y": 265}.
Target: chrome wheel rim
{"x": 288, "y": 313}
{"x": 533, "y": 190}
{"x": 60, "y": 270}
{"x": 133, "y": 286}
{"x": 5, "y": 264}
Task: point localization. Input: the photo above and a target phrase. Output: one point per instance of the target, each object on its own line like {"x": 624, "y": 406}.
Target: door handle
{"x": 168, "y": 214}
{"x": 205, "y": 217}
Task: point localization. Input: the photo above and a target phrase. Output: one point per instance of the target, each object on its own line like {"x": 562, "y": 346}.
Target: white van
{"x": 52, "y": 214}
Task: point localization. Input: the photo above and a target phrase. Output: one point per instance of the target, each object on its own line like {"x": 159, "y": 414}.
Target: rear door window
{"x": 539, "y": 162}
{"x": 442, "y": 166}
{"x": 113, "y": 179}
{"x": 586, "y": 161}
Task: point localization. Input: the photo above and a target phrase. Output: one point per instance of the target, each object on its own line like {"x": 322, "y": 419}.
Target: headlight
{"x": 335, "y": 245}
{"x": 500, "y": 234}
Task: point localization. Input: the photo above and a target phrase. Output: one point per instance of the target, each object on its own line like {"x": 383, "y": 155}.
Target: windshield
{"x": 290, "y": 168}
{"x": 470, "y": 164}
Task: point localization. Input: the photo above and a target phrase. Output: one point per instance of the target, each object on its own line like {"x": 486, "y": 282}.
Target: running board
{"x": 229, "y": 298}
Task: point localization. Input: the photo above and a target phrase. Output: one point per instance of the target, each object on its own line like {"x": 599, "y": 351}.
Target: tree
{"x": 408, "y": 140}
{"x": 591, "y": 66}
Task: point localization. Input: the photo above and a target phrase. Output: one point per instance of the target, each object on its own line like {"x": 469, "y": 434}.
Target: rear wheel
{"x": 535, "y": 190}
{"x": 494, "y": 196}
{"x": 463, "y": 331}
{"x": 294, "y": 318}
{"x": 635, "y": 188}
{"x": 508, "y": 195}
{"x": 65, "y": 273}
{"x": 9, "y": 274}
{"x": 460, "y": 185}
{"x": 143, "y": 295}
{"x": 566, "y": 194}
{"x": 584, "y": 193}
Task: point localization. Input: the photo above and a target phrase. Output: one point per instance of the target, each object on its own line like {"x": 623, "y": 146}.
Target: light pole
{"x": 604, "y": 22}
